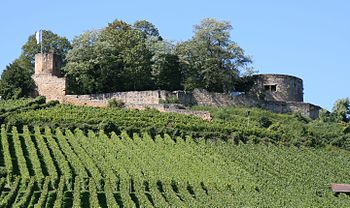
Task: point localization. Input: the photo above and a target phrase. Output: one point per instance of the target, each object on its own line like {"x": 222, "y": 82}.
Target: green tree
{"x": 88, "y": 65}
{"x": 324, "y": 116}
{"x": 130, "y": 46}
{"x": 16, "y": 80}
{"x": 341, "y": 110}
{"x": 211, "y": 60}
{"x": 147, "y": 28}
{"x": 166, "y": 71}
{"x": 113, "y": 59}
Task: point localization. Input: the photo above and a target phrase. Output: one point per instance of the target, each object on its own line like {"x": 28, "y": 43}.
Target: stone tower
{"x": 47, "y": 70}
{"x": 47, "y": 63}
{"x": 278, "y": 87}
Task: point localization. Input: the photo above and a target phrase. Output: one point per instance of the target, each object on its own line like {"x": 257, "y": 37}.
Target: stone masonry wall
{"x": 133, "y": 100}
{"x": 142, "y": 99}
{"x": 52, "y": 87}
{"x": 205, "y": 98}
{"x": 305, "y": 109}
{"x": 285, "y": 93}
{"x": 131, "y": 97}
{"x": 278, "y": 87}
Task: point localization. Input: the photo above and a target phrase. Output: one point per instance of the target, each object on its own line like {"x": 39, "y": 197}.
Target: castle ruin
{"x": 278, "y": 87}
{"x": 46, "y": 77}
{"x": 274, "y": 92}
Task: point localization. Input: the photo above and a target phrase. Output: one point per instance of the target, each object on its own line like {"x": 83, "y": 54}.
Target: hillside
{"x": 57, "y": 155}
{"x": 234, "y": 124}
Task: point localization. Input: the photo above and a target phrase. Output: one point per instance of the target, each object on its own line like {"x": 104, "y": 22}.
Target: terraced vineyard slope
{"x": 47, "y": 167}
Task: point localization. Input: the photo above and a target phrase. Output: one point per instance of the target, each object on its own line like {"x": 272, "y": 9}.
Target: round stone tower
{"x": 278, "y": 87}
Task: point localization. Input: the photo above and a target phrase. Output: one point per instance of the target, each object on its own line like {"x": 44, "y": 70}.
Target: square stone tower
{"x": 47, "y": 63}
{"x": 46, "y": 77}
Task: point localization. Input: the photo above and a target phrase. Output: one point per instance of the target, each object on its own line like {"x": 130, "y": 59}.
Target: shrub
{"x": 301, "y": 118}
{"x": 223, "y": 114}
{"x": 114, "y": 103}
{"x": 40, "y": 99}
{"x": 264, "y": 122}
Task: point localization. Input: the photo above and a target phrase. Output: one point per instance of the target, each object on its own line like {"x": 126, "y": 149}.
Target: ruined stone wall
{"x": 277, "y": 99}
{"x": 205, "y": 98}
{"x": 80, "y": 101}
{"x": 185, "y": 98}
{"x": 103, "y": 102}
{"x": 305, "y": 109}
{"x": 277, "y": 87}
{"x": 52, "y": 87}
{"x": 131, "y": 97}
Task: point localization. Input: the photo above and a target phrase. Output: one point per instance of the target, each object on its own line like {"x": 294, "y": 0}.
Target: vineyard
{"x": 47, "y": 167}
{"x": 228, "y": 124}
{"x": 54, "y": 155}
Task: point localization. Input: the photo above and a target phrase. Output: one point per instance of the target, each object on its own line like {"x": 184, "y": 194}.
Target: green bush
{"x": 264, "y": 122}
{"x": 40, "y": 99}
{"x": 114, "y": 103}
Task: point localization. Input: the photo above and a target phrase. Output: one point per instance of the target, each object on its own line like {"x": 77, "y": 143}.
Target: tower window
{"x": 270, "y": 88}
{"x": 273, "y": 88}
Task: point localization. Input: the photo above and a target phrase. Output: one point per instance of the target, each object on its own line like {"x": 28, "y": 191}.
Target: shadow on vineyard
{"x": 55, "y": 155}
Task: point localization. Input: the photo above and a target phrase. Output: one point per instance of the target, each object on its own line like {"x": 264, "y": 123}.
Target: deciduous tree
{"x": 147, "y": 28}
{"x": 113, "y": 59}
{"x": 211, "y": 60}
{"x": 341, "y": 110}
{"x": 16, "y": 81}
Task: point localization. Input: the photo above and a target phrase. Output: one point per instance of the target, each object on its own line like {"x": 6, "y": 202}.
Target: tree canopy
{"x": 147, "y": 28}
{"x": 341, "y": 110}
{"x": 211, "y": 60}
{"x": 16, "y": 81}
{"x": 115, "y": 58}
{"x": 128, "y": 57}
{"x": 122, "y": 57}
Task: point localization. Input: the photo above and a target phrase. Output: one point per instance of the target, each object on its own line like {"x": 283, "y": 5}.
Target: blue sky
{"x": 306, "y": 38}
